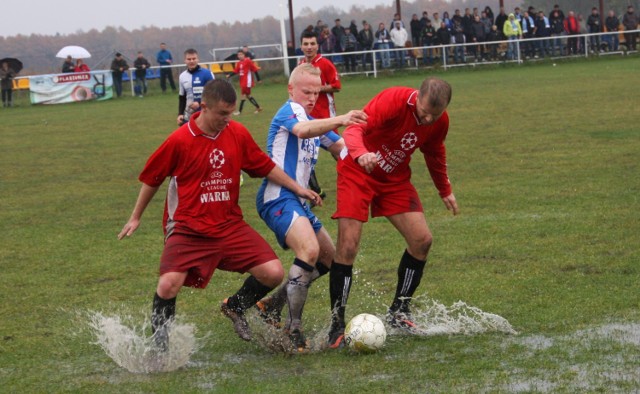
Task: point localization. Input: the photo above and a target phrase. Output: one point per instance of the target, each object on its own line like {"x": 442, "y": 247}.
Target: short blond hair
{"x": 304, "y": 68}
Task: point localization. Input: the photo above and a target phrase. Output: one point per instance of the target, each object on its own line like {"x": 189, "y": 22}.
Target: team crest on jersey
{"x": 408, "y": 141}
{"x": 216, "y": 158}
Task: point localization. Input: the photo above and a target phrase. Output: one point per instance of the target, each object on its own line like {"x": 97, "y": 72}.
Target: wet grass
{"x": 544, "y": 163}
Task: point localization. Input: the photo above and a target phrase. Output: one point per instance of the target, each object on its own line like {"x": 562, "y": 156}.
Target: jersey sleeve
{"x": 435, "y": 156}
{"x": 255, "y": 162}
{"x": 328, "y": 139}
{"x": 161, "y": 163}
{"x": 330, "y": 74}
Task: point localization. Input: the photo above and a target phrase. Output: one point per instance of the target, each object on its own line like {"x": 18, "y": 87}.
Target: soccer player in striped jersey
{"x": 191, "y": 83}
{"x": 293, "y": 143}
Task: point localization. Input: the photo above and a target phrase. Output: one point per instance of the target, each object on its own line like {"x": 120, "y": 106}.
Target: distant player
{"x": 203, "y": 224}
{"x": 330, "y": 84}
{"x": 375, "y": 176}
{"x": 293, "y": 143}
{"x": 191, "y": 83}
{"x": 245, "y": 67}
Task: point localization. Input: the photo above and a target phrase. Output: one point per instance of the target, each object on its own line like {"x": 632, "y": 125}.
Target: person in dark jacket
{"x": 68, "y": 66}
{"x": 612, "y": 23}
{"x": 6, "y": 83}
{"x": 365, "y": 40}
{"x": 444, "y": 38}
{"x": 141, "y": 65}
{"x": 593, "y": 22}
{"x": 557, "y": 30}
{"x": 478, "y": 35}
{"x": 428, "y": 38}
{"x": 118, "y": 67}
{"x": 630, "y": 22}
{"x": 543, "y": 29}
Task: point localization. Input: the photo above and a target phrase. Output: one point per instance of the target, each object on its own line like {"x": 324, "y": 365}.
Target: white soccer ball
{"x": 365, "y": 333}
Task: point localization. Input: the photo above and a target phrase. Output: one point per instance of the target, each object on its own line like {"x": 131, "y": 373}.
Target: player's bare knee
{"x": 420, "y": 246}
{"x": 168, "y": 288}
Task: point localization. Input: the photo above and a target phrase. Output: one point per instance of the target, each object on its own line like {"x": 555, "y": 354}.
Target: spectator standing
{"x": 354, "y": 27}
{"x": 630, "y": 22}
{"x": 365, "y": 40}
{"x": 338, "y": 31}
{"x": 399, "y": 37}
{"x": 572, "y": 27}
{"x": 543, "y": 30}
{"x": 478, "y": 36}
{"x": 118, "y": 67}
{"x": 68, "y": 66}
{"x": 382, "y": 44}
{"x": 513, "y": 32}
{"x": 493, "y": 35}
{"x": 348, "y": 44}
{"x": 416, "y": 30}
{"x": 593, "y": 22}
{"x": 81, "y": 67}
{"x": 7, "y": 74}
{"x": 326, "y": 41}
{"x": 428, "y": 42}
{"x": 141, "y": 64}
{"x": 459, "y": 39}
{"x": 501, "y": 19}
{"x": 467, "y": 22}
{"x": 245, "y": 68}
{"x": 489, "y": 12}
{"x": 447, "y": 20}
{"x": 436, "y": 20}
{"x": 318, "y": 28}
{"x": 191, "y": 82}
{"x": 396, "y": 18}
{"x": 165, "y": 60}
{"x": 203, "y": 225}
{"x": 612, "y": 23}
{"x": 444, "y": 39}
{"x": 557, "y": 31}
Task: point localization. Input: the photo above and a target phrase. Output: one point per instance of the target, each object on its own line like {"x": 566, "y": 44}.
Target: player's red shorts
{"x": 246, "y": 90}
{"x": 357, "y": 191}
{"x": 242, "y": 249}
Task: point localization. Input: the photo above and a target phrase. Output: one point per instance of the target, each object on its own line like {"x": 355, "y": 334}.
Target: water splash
{"x": 136, "y": 352}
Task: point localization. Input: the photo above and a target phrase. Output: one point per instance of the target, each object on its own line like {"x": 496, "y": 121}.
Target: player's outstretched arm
{"x": 451, "y": 203}
{"x": 317, "y": 127}
{"x": 144, "y": 197}
{"x": 281, "y": 178}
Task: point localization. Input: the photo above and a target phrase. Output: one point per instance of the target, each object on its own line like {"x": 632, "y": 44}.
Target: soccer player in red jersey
{"x": 375, "y": 175}
{"x": 244, "y": 69}
{"x": 203, "y": 224}
{"x": 330, "y": 84}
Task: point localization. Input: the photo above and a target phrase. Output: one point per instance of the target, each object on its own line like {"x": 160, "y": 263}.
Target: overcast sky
{"x": 51, "y": 17}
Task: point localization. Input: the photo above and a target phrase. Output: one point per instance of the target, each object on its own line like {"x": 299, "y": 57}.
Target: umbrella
{"x": 14, "y": 64}
{"x": 74, "y": 51}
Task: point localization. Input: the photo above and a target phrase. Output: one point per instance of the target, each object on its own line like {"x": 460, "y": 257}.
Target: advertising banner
{"x": 71, "y": 87}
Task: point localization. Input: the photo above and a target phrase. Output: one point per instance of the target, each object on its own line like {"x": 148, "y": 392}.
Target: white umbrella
{"x": 74, "y": 51}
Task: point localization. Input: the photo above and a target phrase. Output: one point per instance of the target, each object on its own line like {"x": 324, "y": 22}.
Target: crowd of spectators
{"x": 535, "y": 33}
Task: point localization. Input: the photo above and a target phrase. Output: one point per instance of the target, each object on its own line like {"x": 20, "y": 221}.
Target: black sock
{"x": 409, "y": 275}
{"x": 339, "y": 288}
{"x": 241, "y": 105}
{"x": 254, "y": 102}
{"x": 322, "y": 269}
{"x": 163, "y": 311}
{"x": 250, "y": 293}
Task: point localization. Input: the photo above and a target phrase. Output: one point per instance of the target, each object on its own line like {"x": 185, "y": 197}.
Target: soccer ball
{"x": 365, "y": 333}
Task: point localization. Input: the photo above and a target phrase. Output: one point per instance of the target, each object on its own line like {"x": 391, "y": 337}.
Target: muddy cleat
{"x": 336, "y": 337}
{"x": 403, "y": 321}
{"x": 240, "y": 325}
{"x": 299, "y": 342}
{"x": 269, "y": 312}
{"x": 258, "y": 111}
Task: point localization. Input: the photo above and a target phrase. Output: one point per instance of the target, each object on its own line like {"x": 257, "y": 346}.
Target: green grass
{"x": 544, "y": 164}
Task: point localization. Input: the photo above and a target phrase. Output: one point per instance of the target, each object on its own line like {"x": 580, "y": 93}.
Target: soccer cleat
{"x": 336, "y": 337}
{"x": 240, "y": 325}
{"x": 269, "y": 312}
{"x": 258, "y": 111}
{"x": 236, "y": 113}
{"x": 298, "y": 340}
{"x": 403, "y": 321}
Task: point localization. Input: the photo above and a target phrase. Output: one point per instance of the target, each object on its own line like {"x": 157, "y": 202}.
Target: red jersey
{"x": 325, "y": 106}
{"x": 244, "y": 68}
{"x": 202, "y": 198}
{"x": 393, "y": 132}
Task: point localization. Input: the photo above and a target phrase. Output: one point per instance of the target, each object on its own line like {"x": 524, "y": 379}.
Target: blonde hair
{"x": 304, "y": 68}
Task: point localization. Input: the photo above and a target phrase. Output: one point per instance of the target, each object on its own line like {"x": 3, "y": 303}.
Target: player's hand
{"x": 451, "y": 204}
{"x": 311, "y": 196}
{"x": 129, "y": 228}
{"x": 354, "y": 117}
{"x": 180, "y": 119}
{"x": 368, "y": 161}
